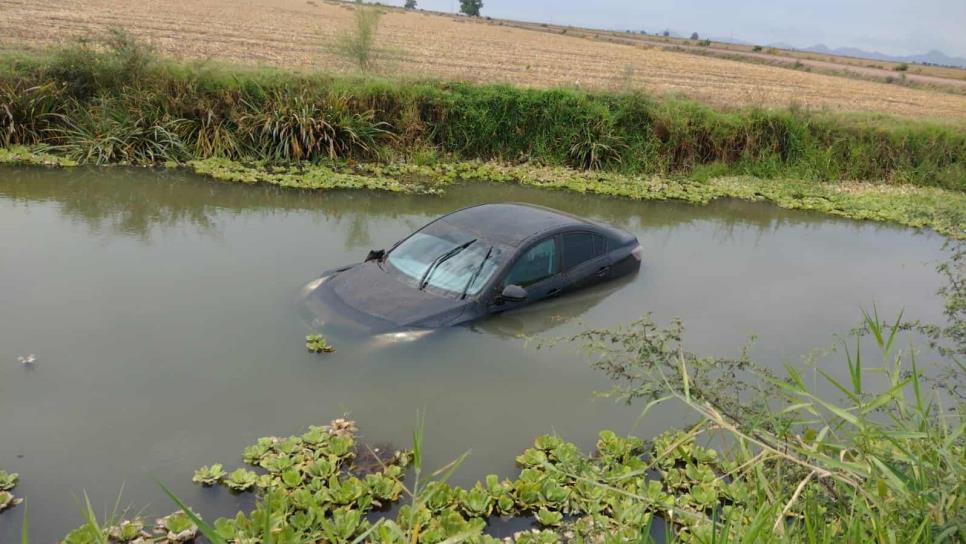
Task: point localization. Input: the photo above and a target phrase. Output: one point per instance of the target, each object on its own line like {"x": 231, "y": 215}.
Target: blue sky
{"x": 890, "y": 26}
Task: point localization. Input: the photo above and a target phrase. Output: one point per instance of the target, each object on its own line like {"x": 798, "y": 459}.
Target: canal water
{"x": 163, "y": 312}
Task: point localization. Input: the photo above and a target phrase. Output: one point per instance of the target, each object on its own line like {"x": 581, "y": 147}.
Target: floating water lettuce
{"x": 177, "y": 527}
{"x": 548, "y": 518}
{"x": 240, "y": 480}
{"x": 320, "y": 486}
{"x": 7, "y": 500}
{"x": 209, "y": 475}
{"x": 316, "y": 343}
{"x": 128, "y": 531}
{"x": 8, "y": 480}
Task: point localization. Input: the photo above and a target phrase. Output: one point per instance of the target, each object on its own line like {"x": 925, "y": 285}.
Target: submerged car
{"x": 469, "y": 264}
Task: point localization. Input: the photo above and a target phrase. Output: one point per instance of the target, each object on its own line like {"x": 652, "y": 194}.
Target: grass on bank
{"x": 116, "y": 101}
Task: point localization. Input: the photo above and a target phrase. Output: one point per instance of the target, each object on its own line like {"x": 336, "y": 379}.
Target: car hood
{"x": 375, "y": 299}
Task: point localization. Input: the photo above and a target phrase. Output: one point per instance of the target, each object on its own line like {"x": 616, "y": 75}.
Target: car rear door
{"x": 584, "y": 259}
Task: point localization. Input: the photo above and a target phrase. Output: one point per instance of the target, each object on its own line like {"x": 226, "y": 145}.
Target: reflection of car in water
{"x": 469, "y": 264}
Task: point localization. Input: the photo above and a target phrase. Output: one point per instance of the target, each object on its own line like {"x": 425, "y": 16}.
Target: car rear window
{"x": 579, "y": 247}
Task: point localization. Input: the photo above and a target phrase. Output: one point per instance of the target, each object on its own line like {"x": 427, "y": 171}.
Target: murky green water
{"x": 163, "y": 312}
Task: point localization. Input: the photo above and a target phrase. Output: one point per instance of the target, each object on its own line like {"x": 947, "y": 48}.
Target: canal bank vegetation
{"x": 114, "y": 101}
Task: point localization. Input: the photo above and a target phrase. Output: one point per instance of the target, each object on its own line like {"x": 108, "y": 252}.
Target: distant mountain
{"x": 932, "y": 57}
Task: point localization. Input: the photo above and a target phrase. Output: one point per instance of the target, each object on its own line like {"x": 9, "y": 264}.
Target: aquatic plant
{"x": 310, "y": 486}
{"x": 128, "y": 531}
{"x": 209, "y": 475}
{"x": 8, "y": 480}
{"x": 240, "y": 480}
{"x": 7, "y": 500}
{"x": 176, "y": 528}
{"x": 316, "y": 343}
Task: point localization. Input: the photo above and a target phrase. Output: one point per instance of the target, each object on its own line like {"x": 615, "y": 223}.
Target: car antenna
{"x": 476, "y": 274}
{"x": 440, "y": 260}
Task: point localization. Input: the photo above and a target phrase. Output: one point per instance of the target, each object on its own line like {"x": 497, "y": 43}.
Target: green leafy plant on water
{"x": 316, "y": 343}
{"x": 8, "y": 481}
{"x": 311, "y": 489}
{"x": 240, "y": 480}
{"x": 8, "y": 500}
{"x": 209, "y": 475}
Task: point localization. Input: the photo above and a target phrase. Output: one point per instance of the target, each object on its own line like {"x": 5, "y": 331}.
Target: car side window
{"x": 538, "y": 263}
{"x": 579, "y": 247}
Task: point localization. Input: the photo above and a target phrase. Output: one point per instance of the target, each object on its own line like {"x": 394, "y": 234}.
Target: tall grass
{"x": 95, "y": 101}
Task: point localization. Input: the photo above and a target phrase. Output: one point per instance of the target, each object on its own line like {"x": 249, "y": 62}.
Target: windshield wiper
{"x": 476, "y": 274}
{"x": 424, "y": 281}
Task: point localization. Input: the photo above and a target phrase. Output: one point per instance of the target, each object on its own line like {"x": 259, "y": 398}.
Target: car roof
{"x": 511, "y": 223}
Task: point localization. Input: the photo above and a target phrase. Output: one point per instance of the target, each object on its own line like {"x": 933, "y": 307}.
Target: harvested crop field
{"x": 300, "y": 33}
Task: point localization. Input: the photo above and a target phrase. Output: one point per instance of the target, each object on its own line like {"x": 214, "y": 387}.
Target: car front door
{"x": 537, "y": 270}
{"x": 584, "y": 259}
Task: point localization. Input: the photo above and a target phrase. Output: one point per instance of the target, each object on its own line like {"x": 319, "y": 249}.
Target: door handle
{"x": 603, "y": 271}
{"x": 553, "y": 292}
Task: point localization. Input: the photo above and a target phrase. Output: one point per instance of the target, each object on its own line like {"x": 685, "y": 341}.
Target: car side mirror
{"x": 513, "y": 293}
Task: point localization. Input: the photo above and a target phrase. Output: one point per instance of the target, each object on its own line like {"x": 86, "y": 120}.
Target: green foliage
{"x": 316, "y": 343}
{"x": 8, "y": 480}
{"x": 901, "y": 67}
{"x": 410, "y": 4}
{"x": 240, "y": 480}
{"x": 471, "y": 7}
{"x": 114, "y": 101}
{"x": 209, "y": 475}
{"x": 357, "y": 45}
{"x": 7, "y": 500}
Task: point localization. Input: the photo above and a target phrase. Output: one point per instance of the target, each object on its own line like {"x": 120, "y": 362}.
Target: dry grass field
{"x": 300, "y": 34}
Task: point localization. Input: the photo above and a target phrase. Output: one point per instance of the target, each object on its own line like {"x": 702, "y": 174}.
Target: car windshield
{"x": 429, "y": 256}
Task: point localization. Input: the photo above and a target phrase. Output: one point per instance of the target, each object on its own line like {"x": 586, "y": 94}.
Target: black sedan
{"x": 467, "y": 265}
